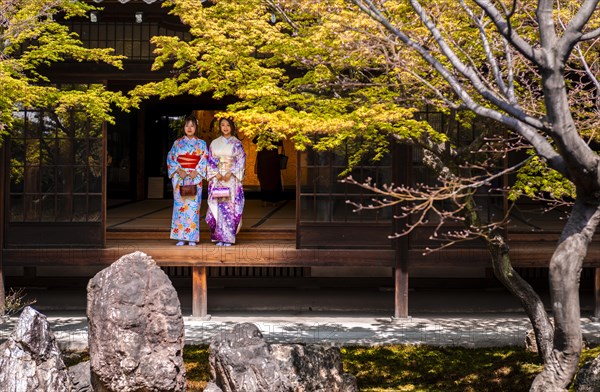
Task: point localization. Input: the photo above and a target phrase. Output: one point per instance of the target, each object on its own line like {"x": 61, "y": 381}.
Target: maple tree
{"x": 32, "y": 39}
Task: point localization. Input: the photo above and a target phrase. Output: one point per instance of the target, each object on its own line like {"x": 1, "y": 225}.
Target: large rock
{"x": 588, "y": 377}
{"x": 80, "y": 377}
{"x": 313, "y": 368}
{"x": 135, "y": 328}
{"x": 212, "y": 387}
{"x": 241, "y": 360}
{"x": 31, "y": 359}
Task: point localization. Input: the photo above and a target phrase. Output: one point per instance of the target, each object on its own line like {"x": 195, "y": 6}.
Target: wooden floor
{"x": 156, "y": 214}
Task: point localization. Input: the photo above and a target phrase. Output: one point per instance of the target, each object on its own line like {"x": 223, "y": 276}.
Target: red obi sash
{"x": 188, "y": 161}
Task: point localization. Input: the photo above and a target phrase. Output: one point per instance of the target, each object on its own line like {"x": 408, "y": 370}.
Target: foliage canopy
{"x": 31, "y": 40}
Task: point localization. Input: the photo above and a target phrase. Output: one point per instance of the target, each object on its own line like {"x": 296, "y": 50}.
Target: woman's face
{"x": 189, "y": 129}
{"x": 225, "y": 128}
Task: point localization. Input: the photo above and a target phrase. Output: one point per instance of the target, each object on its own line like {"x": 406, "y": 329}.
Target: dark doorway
{"x": 121, "y": 157}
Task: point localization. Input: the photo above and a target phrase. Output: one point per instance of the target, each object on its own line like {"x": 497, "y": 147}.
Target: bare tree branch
{"x": 506, "y": 30}
{"x": 589, "y": 72}
{"x": 455, "y": 84}
{"x": 470, "y": 74}
{"x": 282, "y": 12}
{"x": 518, "y": 120}
{"x": 573, "y": 30}
{"x": 544, "y": 15}
{"x": 487, "y": 49}
{"x": 510, "y": 77}
{"x": 423, "y": 200}
{"x": 435, "y": 90}
{"x": 590, "y": 35}
{"x": 585, "y": 64}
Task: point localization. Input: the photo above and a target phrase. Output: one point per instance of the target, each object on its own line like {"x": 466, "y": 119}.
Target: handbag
{"x": 220, "y": 192}
{"x": 283, "y": 159}
{"x": 188, "y": 190}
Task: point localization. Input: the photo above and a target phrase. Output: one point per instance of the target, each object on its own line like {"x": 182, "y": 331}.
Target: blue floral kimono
{"x": 224, "y": 215}
{"x": 189, "y": 154}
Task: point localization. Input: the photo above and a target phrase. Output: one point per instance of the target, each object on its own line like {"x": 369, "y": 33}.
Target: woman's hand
{"x": 193, "y": 174}
{"x": 219, "y": 177}
{"x": 182, "y": 173}
{"x": 227, "y": 176}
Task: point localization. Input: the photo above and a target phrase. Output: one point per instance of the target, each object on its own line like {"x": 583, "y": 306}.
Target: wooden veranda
{"x": 277, "y": 248}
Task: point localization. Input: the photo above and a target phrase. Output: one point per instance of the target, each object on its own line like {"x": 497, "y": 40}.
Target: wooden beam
{"x": 259, "y": 254}
{"x": 263, "y": 253}
{"x": 597, "y": 294}
{"x": 199, "y": 293}
{"x": 521, "y": 255}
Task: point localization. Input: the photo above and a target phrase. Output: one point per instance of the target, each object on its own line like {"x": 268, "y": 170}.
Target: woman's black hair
{"x": 231, "y": 124}
{"x": 188, "y": 119}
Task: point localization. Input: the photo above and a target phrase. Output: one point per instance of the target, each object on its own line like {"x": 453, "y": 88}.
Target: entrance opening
{"x": 140, "y": 194}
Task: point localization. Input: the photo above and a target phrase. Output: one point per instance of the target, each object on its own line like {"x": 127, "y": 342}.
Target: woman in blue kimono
{"x": 226, "y": 169}
{"x": 186, "y": 164}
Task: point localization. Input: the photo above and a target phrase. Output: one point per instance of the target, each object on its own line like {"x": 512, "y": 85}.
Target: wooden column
{"x": 401, "y": 278}
{"x": 104, "y": 180}
{"x": 140, "y": 154}
{"x": 402, "y": 166}
{"x": 597, "y": 294}
{"x": 199, "y": 293}
{"x": 401, "y": 291}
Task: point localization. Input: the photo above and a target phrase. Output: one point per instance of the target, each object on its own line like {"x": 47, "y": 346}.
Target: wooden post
{"x": 402, "y": 163}
{"x": 597, "y": 292}
{"x": 401, "y": 278}
{"x": 140, "y": 170}
{"x": 401, "y": 290}
{"x": 199, "y": 293}
{"x": 104, "y": 180}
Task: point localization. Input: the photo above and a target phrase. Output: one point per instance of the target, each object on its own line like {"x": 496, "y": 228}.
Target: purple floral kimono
{"x": 188, "y": 154}
{"x": 224, "y": 215}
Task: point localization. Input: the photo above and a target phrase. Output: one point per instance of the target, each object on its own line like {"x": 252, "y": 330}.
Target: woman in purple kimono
{"x": 186, "y": 164}
{"x": 226, "y": 169}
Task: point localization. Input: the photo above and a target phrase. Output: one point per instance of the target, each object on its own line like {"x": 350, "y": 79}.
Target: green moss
{"x": 426, "y": 368}
{"x": 589, "y": 354}
{"x": 197, "y": 371}
{"x": 411, "y": 368}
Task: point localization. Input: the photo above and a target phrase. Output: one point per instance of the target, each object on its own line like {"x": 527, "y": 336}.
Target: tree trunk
{"x": 516, "y": 285}
{"x": 530, "y": 300}
{"x": 565, "y": 271}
